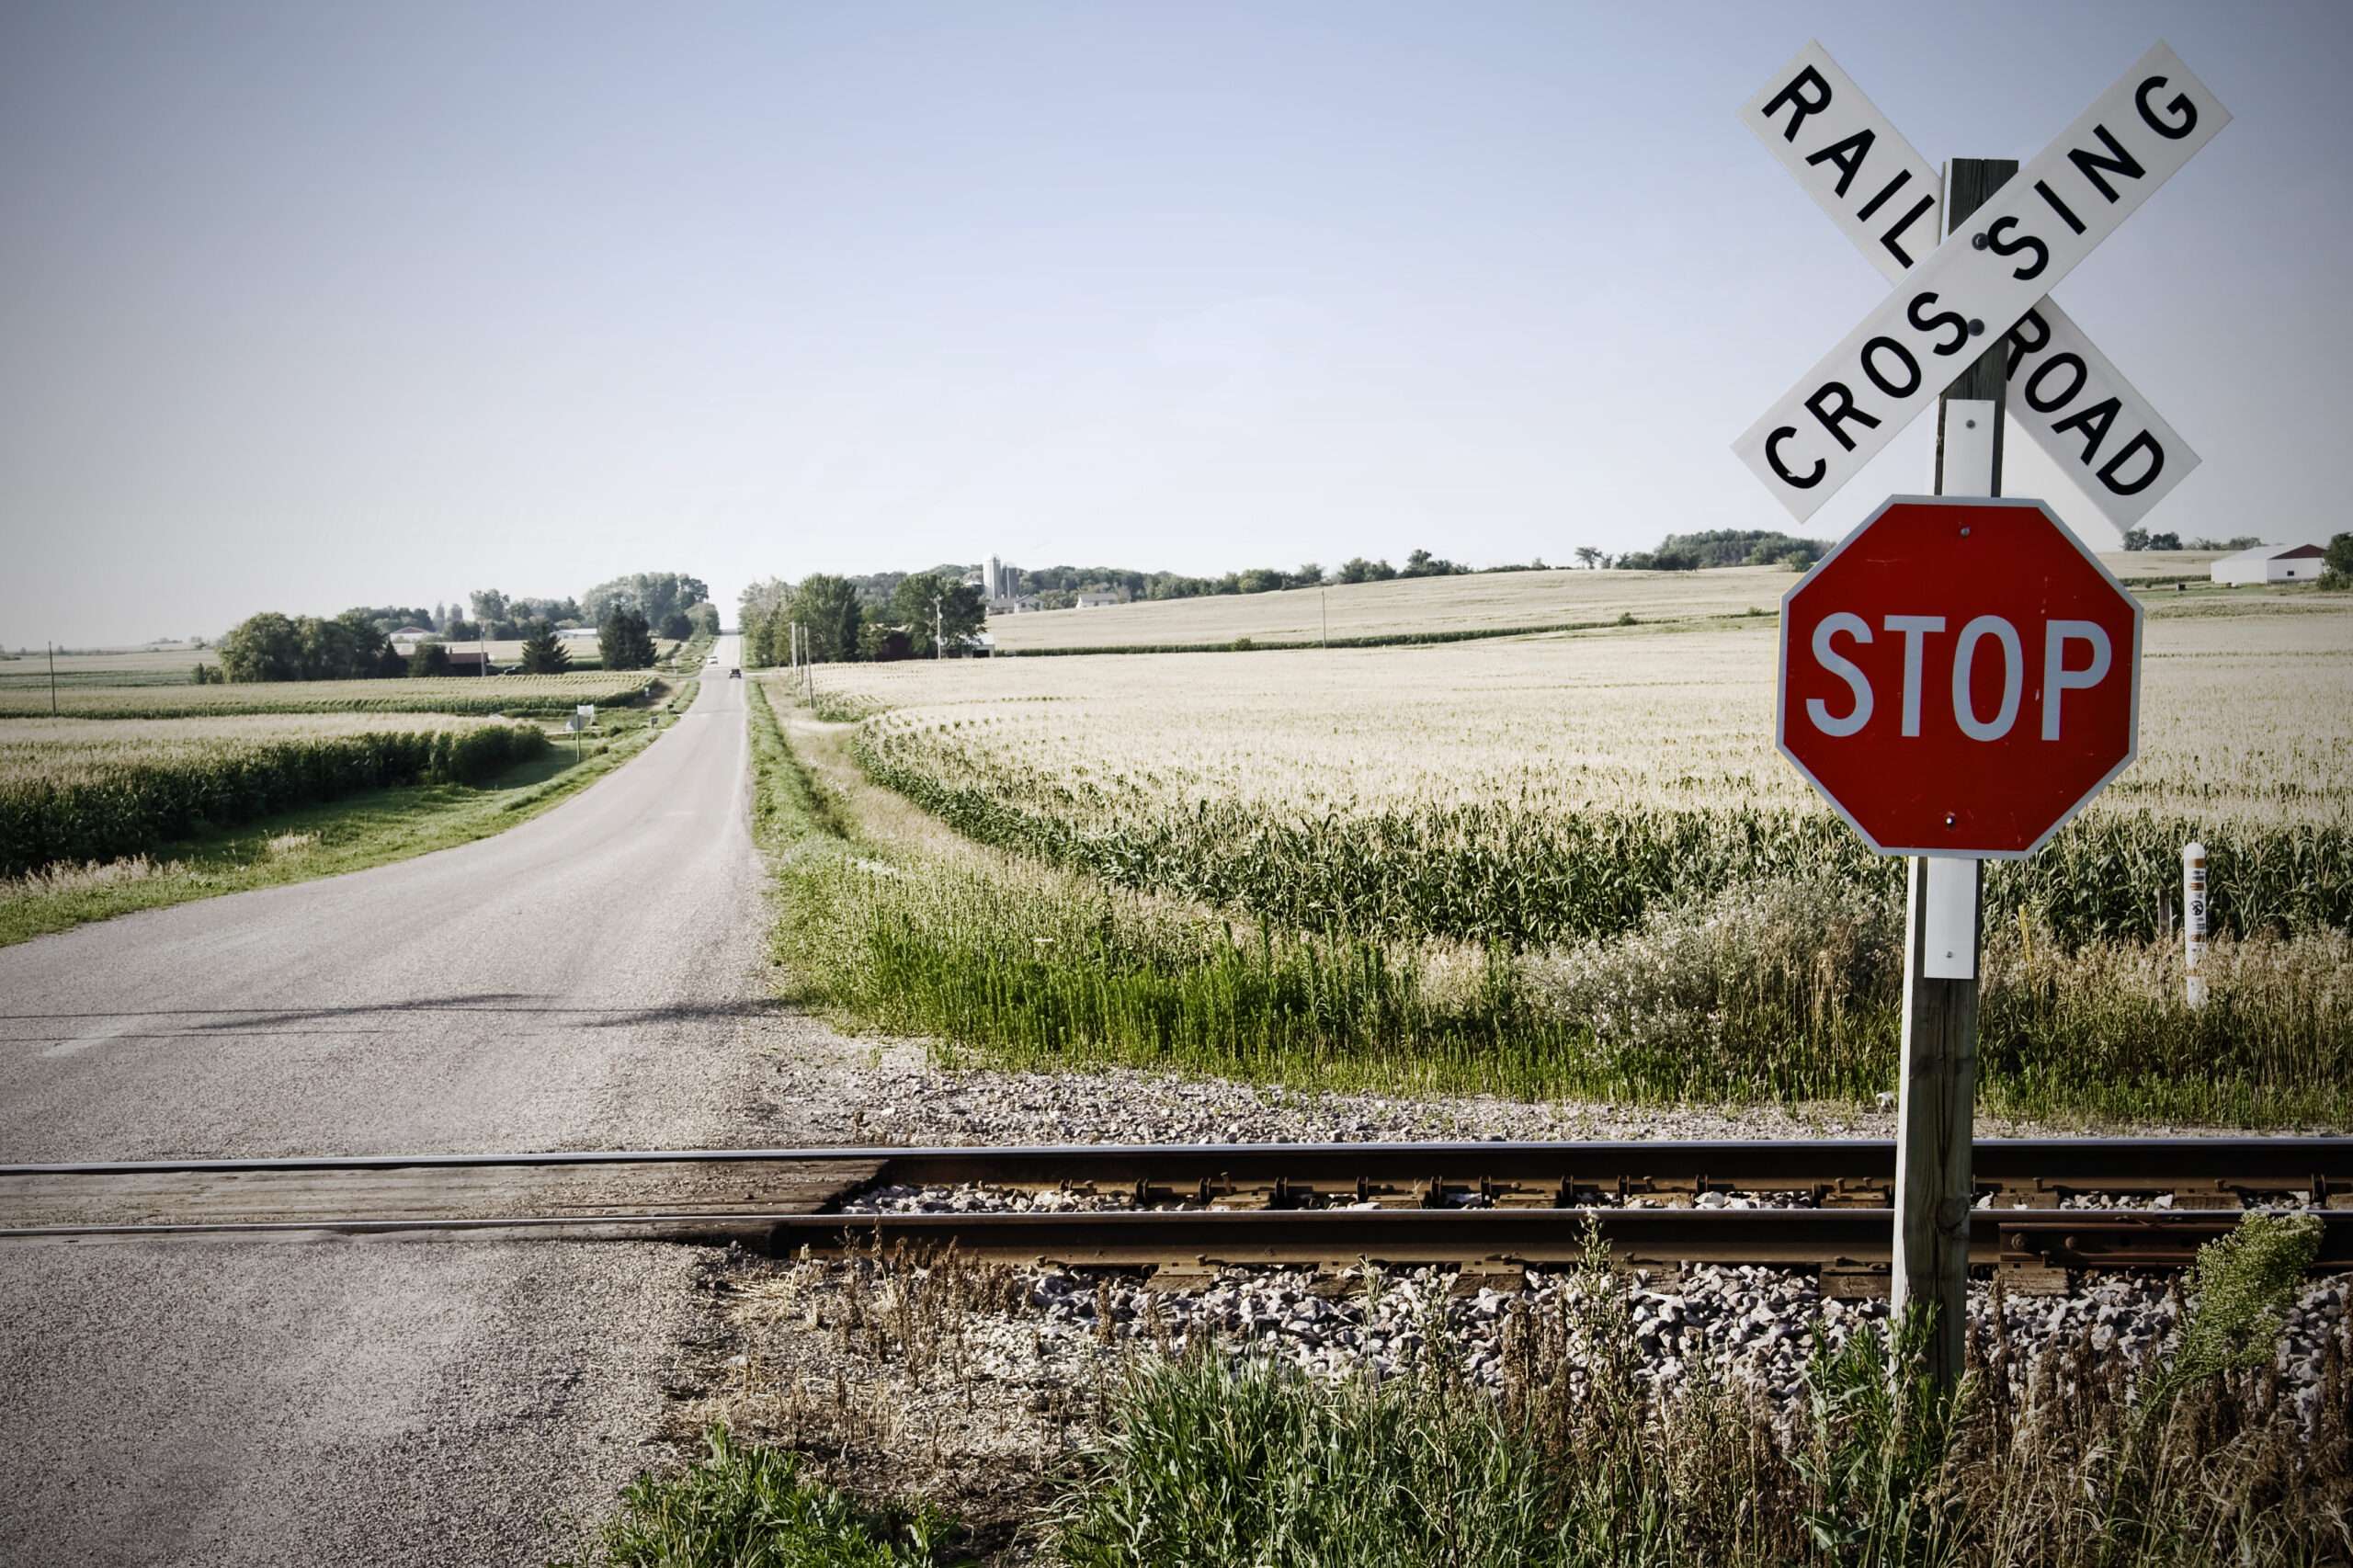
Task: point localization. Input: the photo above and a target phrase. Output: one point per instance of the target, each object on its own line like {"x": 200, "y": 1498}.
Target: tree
{"x": 389, "y": 663}
{"x": 654, "y": 595}
{"x": 1261, "y": 580}
{"x": 828, "y": 608}
{"x": 2136, "y": 538}
{"x": 1422, "y": 564}
{"x": 676, "y": 627}
{"x": 262, "y": 647}
{"x": 2339, "y": 560}
{"x": 625, "y": 641}
{"x": 762, "y": 614}
{"x": 543, "y": 651}
{"x": 877, "y": 643}
{"x": 489, "y": 604}
{"x": 702, "y": 618}
{"x": 1360, "y": 570}
{"x": 431, "y": 658}
{"x": 1588, "y": 557}
{"x": 958, "y": 607}
{"x": 2164, "y": 542}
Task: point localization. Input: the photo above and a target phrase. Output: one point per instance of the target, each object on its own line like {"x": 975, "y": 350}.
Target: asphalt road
{"x": 591, "y": 979}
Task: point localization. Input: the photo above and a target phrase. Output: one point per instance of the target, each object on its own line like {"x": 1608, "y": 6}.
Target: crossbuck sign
{"x": 1991, "y": 276}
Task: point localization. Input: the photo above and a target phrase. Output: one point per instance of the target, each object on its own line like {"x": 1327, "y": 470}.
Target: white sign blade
{"x": 2033, "y": 231}
{"x": 1850, "y": 159}
{"x": 1854, "y": 162}
{"x": 2089, "y": 420}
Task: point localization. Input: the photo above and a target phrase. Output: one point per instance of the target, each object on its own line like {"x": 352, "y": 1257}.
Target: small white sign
{"x": 1859, "y": 168}
{"x": 582, "y": 717}
{"x": 2012, "y": 251}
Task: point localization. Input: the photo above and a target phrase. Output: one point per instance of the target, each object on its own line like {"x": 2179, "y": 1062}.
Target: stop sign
{"x": 1959, "y": 677}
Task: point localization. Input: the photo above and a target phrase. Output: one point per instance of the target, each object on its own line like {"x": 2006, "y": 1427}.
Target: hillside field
{"x": 1440, "y": 607}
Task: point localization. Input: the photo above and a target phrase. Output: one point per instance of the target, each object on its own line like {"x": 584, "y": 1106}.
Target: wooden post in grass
{"x": 1944, "y": 917}
{"x": 52, "y": 680}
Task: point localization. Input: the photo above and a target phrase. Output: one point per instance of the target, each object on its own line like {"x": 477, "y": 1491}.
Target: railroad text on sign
{"x": 1859, "y": 168}
{"x": 1984, "y": 279}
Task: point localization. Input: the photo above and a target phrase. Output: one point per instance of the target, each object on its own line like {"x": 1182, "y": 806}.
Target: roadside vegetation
{"x": 1549, "y": 869}
{"x": 371, "y": 827}
{"x": 95, "y": 789}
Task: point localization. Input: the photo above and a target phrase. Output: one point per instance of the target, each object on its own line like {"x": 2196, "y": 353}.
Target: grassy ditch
{"x": 1782, "y": 988}
{"x": 371, "y": 828}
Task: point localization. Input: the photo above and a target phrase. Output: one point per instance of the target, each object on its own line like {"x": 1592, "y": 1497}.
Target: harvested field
{"x": 1437, "y": 608}
{"x": 444, "y": 694}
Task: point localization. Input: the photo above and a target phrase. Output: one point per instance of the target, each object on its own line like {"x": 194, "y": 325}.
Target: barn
{"x": 2271, "y": 563}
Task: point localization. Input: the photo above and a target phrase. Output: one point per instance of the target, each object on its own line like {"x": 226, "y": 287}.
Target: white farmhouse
{"x": 2271, "y": 563}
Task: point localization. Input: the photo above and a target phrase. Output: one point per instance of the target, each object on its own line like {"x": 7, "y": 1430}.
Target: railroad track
{"x": 1184, "y": 1210}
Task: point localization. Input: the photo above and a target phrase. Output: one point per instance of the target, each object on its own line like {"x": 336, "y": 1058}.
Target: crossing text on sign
{"x": 1986, "y": 279}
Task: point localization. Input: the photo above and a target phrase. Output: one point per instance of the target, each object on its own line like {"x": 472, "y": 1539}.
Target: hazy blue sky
{"x": 311, "y": 305}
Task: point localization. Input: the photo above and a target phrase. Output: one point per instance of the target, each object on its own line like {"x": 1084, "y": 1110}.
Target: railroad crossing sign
{"x": 2078, "y": 407}
{"x": 1959, "y": 677}
{"x": 1989, "y": 276}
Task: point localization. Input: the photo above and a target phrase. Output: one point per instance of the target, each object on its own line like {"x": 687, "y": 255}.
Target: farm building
{"x": 2271, "y": 563}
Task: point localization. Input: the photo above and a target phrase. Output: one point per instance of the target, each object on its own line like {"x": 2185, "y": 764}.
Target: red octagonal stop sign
{"x": 1959, "y": 677}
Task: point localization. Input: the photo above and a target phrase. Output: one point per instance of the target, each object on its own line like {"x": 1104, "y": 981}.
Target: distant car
{"x": 735, "y": 675}
{"x": 713, "y": 660}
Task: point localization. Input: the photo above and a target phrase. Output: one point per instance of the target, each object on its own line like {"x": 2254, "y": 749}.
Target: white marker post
{"x": 2193, "y": 921}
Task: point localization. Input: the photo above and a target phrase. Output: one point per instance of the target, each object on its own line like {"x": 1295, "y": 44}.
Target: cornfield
{"x": 1539, "y": 793}
{"x": 88, "y": 789}
{"x": 443, "y": 694}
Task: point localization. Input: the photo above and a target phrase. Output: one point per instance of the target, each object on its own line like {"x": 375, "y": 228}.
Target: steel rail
{"x": 1758, "y": 1162}
{"x": 1484, "y": 1239}
{"x": 1510, "y": 1238}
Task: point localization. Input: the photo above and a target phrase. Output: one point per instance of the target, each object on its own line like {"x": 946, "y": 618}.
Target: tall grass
{"x": 1581, "y": 1460}
{"x": 1776, "y": 989}
{"x": 84, "y": 794}
{"x": 745, "y": 1507}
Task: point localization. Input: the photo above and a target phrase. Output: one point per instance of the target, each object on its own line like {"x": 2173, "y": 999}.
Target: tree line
{"x": 629, "y": 612}
{"x": 839, "y": 621}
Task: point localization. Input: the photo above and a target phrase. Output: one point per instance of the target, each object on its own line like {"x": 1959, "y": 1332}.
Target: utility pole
{"x": 938, "y": 648}
{"x": 1324, "y": 603}
{"x": 1944, "y": 917}
{"x": 52, "y": 680}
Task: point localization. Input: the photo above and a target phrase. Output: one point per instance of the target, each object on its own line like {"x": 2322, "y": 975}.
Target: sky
{"x": 305, "y": 306}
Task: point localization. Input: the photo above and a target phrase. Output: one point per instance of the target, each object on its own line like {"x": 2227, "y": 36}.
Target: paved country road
{"x": 590, "y": 979}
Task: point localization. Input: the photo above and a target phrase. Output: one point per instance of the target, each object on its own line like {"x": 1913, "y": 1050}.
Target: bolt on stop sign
{"x": 1959, "y": 677}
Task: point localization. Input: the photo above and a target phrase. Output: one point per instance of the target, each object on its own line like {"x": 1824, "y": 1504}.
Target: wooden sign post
{"x": 1944, "y": 923}
{"x": 1961, "y": 685}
